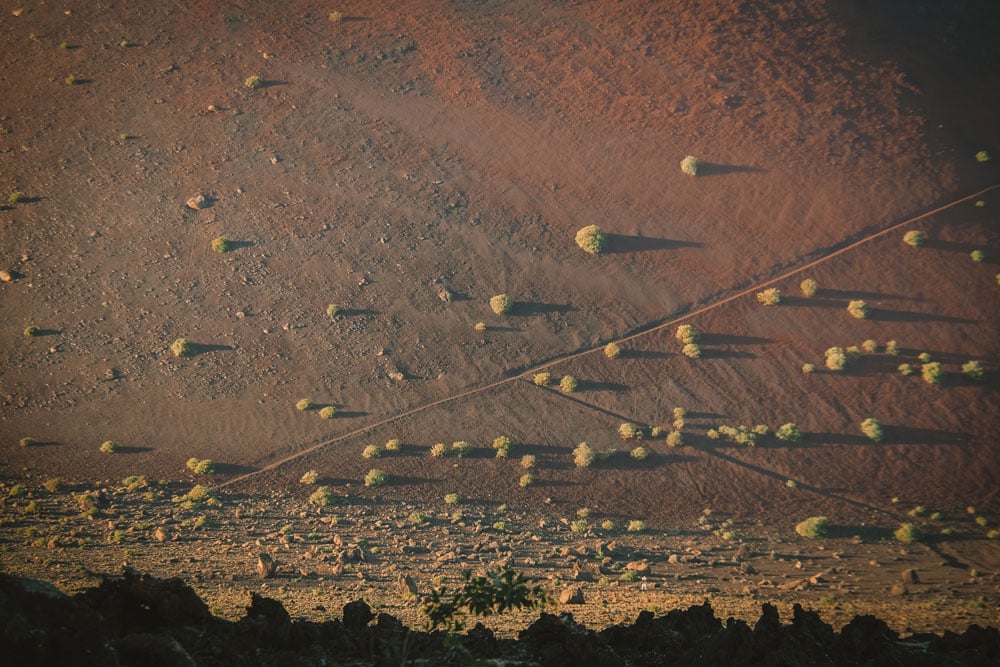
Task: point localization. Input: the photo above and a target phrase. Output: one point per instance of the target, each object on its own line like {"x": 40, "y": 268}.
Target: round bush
{"x": 858, "y": 309}
{"x": 327, "y": 412}
{"x": 809, "y": 287}
{"x": 932, "y": 372}
{"x": 612, "y": 350}
{"x": 322, "y": 497}
{"x": 501, "y": 304}
{"x": 592, "y": 239}
{"x": 332, "y": 310}
{"x": 542, "y": 379}
{"x": 788, "y": 432}
{"x": 583, "y": 455}
{"x": 630, "y": 431}
{"x": 304, "y": 404}
{"x": 692, "y": 350}
{"x": 376, "y": 477}
{"x": 770, "y": 297}
{"x": 873, "y": 429}
{"x": 309, "y": 477}
{"x": 502, "y": 446}
{"x": 182, "y": 347}
{"x": 527, "y": 479}
{"x": 687, "y": 333}
{"x": 568, "y": 384}
{"x": 914, "y": 238}
{"x": 907, "y": 533}
{"x": 814, "y": 527}
{"x": 372, "y": 452}
{"x": 528, "y": 461}
{"x": 222, "y": 244}
{"x": 973, "y": 370}
{"x": 253, "y": 82}
{"x": 109, "y": 447}
{"x": 690, "y": 165}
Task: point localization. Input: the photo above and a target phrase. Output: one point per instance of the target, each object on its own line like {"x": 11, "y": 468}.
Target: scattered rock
{"x": 6, "y": 276}
{"x": 160, "y": 534}
{"x": 407, "y": 587}
{"x": 910, "y": 576}
{"x": 898, "y": 589}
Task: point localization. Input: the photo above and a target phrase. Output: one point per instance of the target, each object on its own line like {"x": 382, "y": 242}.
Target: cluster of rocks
{"x": 139, "y": 619}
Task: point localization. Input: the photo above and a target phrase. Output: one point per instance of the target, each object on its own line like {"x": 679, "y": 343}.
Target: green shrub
{"x": 788, "y": 432}
{"x": 835, "y": 359}
{"x": 692, "y": 350}
{"x": 542, "y": 379}
{"x": 770, "y": 297}
{"x": 71, "y": 80}
{"x": 791, "y": 484}
{"x": 376, "y": 477}
{"x": 907, "y": 533}
{"x": 27, "y": 442}
{"x": 892, "y": 348}
{"x": 327, "y": 412}
{"x": 501, "y": 304}
{"x": 480, "y": 326}
{"x": 182, "y": 347}
{"x": 583, "y": 455}
{"x": 808, "y": 368}
{"x": 977, "y": 256}
{"x": 983, "y": 156}
{"x": 675, "y": 439}
{"x": 852, "y": 352}
{"x": 870, "y": 346}
{"x": 679, "y": 423}
{"x": 304, "y": 404}
{"x": 579, "y": 526}
{"x": 451, "y": 499}
{"x": 527, "y": 479}
{"x": 607, "y": 524}
{"x": 417, "y": 518}
{"x": 687, "y": 333}
{"x": 502, "y": 446}
{"x": 932, "y": 372}
{"x": 657, "y": 432}
{"x": 568, "y": 384}
{"x": 335, "y": 17}
{"x": 109, "y": 447}
{"x": 528, "y": 461}
{"x": 15, "y": 197}
{"x": 460, "y": 448}
{"x": 814, "y": 527}
{"x": 309, "y": 477}
{"x": 690, "y": 165}
{"x": 32, "y": 331}
{"x": 592, "y": 239}
{"x": 372, "y": 452}
{"x": 438, "y": 449}
{"x": 494, "y": 593}
{"x": 858, "y": 309}
{"x": 332, "y": 310}
{"x": 873, "y": 429}
{"x": 905, "y": 369}
{"x": 200, "y": 466}
{"x": 394, "y": 445}
{"x": 322, "y": 497}
{"x": 253, "y": 82}
{"x": 630, "y": 431}
{"x": 639, "y": 454}
{"x": 973, "y": 370}
{"x": 809, "y": 287}
{"x": 636, "y": 526}
{"x": 53, "y": 485}
{"x": 679, "y": 413}
{"x": 222, "y": 244}
{"x": 925, "y": 357}
{"x": 914, "y": 238}
{"x": 612, "y": 351}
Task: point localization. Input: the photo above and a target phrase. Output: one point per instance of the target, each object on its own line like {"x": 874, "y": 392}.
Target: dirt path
{"x": 838, "y": 251}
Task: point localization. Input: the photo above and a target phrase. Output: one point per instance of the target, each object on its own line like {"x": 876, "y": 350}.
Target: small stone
{"x": 407, "y": 586}
{"x": 6, "y": 276}
{"x": 898, "y": 589}
{"x": 198, "y": 202}
{"x": 672, "y": 559}
{"x": 910, "y": 576}
{"x": 160, "y": 534}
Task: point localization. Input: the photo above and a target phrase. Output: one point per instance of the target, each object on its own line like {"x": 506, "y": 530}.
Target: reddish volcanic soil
{"x": 414, "y": 159}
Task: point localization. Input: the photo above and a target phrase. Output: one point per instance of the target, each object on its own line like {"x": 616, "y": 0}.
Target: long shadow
{"x": 953, "y": 246}
{"x": 505, "y": 330}
{"x": 813, "y": 302}
{"x": 198, "y": 349}
{"x": 44, "y": 443}
{"x": 866, "y": 533}
{"x": 645, "y": 354}
{"x": 703, "y": 415}
{"x": 538, "y": 308}
{"x": 721, "y": 169}
{"x": 131, "y": 449}
{"x": 732, "y": 339}
{"x": 882, "y": 315}
{"x": 233, "y": 469}
{"x": 403, "y": 480}
{"x": 592, "y": 385}
{"x": 350, "y": 414}
{"x": 908, "y": 435}
{"x": 821, "y": 438}
{"x": 726, "y": 354}
{"x": 555, "y": 483}
{"x": 354, "y": 312}
{"x": 46, "y": 332}
{"x": 271, "y": 83}
{"x": 236, "y": 245}
{"x": 860, "y": 294}
{"x": 623, "y": 243}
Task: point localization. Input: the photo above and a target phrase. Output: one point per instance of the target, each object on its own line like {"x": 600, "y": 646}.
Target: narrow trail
{"x": 576, "y": 355}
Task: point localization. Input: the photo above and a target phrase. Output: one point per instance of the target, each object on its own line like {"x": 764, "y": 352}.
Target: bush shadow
{"x": 132, "y": 449}
{"x": 644, "y": 354}
{"x": 198, "y": 349}
{"x": 732, "y": 339}
{"x": 593, "y": 385}
{"x": 882, "y": 315}
{"x": 233, "y": 469}
{"x": 722, "y": 169}
{"x": 909, "y": 435}
{"x": 624, "y": 243}
{"x": 861, "y": 294}
{"x": 526, "y": 308}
